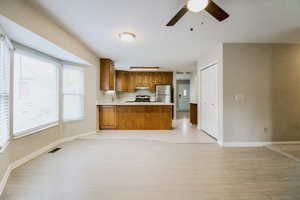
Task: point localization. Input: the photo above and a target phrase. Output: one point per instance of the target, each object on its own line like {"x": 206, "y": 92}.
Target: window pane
{"x": 35, "y": 93}
{"x": 73, "y": 82}
{"x": 4, "y": 91}
{"x": 73, "y": 107}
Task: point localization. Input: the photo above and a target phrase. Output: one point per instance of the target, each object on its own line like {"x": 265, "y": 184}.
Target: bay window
{"x": 4, "y": 91}
{"x": 36, "y": 93}
{"x": 73, "y": 93}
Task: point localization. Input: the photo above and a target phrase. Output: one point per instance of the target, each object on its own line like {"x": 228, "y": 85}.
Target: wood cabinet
{"x": 136, "y": 117}
{"x": 107, "y": 74}
{"x": 107, "y": 117}
{"x": 122, "y": 81}
{"x": 127, "y": 81}
{"x": 193, "y": 113}
{"x": 144, "y": 117}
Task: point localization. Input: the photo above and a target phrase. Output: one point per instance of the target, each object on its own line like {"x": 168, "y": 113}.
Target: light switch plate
{"x": 239, "y": 97}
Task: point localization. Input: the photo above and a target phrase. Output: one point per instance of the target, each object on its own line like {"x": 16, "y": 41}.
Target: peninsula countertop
{"x": 117, "y": 103}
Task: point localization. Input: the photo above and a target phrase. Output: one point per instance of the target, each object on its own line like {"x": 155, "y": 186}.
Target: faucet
{"x": 112, "y": 98}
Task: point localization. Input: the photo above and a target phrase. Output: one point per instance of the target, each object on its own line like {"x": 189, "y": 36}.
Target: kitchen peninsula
{"x": 146, "y": 111}
{"x": 135, "y": 116}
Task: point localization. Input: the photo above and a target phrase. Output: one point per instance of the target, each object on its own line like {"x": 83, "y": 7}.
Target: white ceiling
{"x": 98, "y": 22}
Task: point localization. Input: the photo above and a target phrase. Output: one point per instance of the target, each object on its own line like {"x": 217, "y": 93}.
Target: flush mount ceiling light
{"x": 127, "y": 37}
{"x": 144, "y": 68}
{"x": 197, "y": 5}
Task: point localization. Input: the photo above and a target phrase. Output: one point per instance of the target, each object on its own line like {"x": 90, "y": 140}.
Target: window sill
{"x": 73, "y": 120}
{"x": 4, "y": 145}
{"x": 36, "y": 130}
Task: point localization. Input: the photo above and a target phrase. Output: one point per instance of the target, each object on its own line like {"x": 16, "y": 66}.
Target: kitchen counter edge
{"x": 132, "y": 104}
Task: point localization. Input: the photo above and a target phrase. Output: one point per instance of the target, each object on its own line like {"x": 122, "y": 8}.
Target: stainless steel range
{"x": 142, "y": 98}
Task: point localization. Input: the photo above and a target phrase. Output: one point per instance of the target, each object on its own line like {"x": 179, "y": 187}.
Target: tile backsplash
{"x": 125, "y": 96}
{"x": 130, "y": 96}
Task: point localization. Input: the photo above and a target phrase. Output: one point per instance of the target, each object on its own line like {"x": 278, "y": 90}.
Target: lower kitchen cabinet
{"x": 136, "y": 117}
{"x": 107, "y": 117}
{"x": 193, "y": 113}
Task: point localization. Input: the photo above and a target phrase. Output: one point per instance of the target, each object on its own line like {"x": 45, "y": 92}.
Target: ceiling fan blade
{"x": 178, "y": 16}
{"x": 216, "y": 11}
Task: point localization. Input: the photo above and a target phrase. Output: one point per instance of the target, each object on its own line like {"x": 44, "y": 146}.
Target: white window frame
{"x": 22, "y": 50}
{"x": 4, "y": 143}
{"x": 82, "y": 95}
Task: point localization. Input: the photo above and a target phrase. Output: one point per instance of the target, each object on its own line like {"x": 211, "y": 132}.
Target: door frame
{"x": 177, "y": 91}
{"x": 219, "y": 98}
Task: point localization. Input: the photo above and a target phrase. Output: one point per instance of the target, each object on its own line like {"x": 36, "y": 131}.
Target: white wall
{"x": 194, "y": 90}
{"x": 22, "y": 13}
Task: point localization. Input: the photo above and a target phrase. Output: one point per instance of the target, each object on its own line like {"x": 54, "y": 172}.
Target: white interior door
{"x": 209, "y": 101}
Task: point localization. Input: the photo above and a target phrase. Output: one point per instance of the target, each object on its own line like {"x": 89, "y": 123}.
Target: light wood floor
{"x": 89, "y": 169}
{"x": 183, "y": 132}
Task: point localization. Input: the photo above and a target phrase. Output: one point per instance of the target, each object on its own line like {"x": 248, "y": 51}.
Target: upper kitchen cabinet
{"x": 107, "y": 74}
{"x": 163, "y": 78}
{"x": 125, "y": 81}
{"x": 169, "y": 78}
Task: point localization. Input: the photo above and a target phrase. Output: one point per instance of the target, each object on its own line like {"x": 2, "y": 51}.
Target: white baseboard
{"x": 35, "y": 154}
{"x": 288, "y": 142}
{"x": 255, "y": 144}
{"x": 5, "y": 179}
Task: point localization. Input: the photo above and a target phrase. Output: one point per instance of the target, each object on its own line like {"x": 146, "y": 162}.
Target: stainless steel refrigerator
{"x": 163, "y": 93}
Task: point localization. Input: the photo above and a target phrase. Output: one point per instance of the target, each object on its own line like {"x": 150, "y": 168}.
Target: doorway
{"x": 183, "y": 95}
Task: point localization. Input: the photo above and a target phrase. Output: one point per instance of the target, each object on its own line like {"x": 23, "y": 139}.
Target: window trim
{"x": 82, "y": 95}
{"x": 61, "y": 64}
{"x": 5, "y": 142}
{"x": 36, "y": 130}
{"x": 31, "y": 53}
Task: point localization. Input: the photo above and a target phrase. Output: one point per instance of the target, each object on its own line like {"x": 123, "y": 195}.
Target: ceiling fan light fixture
{"x": 197, "y": 5}
{"x": 127, "y": 37}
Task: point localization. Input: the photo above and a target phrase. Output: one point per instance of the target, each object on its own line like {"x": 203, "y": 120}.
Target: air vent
{"x": 54, "y": 150}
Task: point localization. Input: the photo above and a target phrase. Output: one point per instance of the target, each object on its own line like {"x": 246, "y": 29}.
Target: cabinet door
{"x": 147, "y": 79}
{"x": 152, "y": 80}
{"x": 140, "y": 76}
{"x": 157, "y": 78}
{"x": 112, "y": 76}
{"x": 104, "y": 74}
{"x": 107, "y": 74}
{"x": 131, "y": 81}
{"x": 122, "y": 81}
{"x": 107, "y": 117}
{"x": 169, "y": 78}
{"x": 193, "y": 113}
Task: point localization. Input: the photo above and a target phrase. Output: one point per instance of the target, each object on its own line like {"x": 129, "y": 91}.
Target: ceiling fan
{"x": 197, "y": 6}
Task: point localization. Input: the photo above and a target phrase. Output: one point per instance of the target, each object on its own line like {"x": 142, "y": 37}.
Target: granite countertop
{"x": 116, "y": 103}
